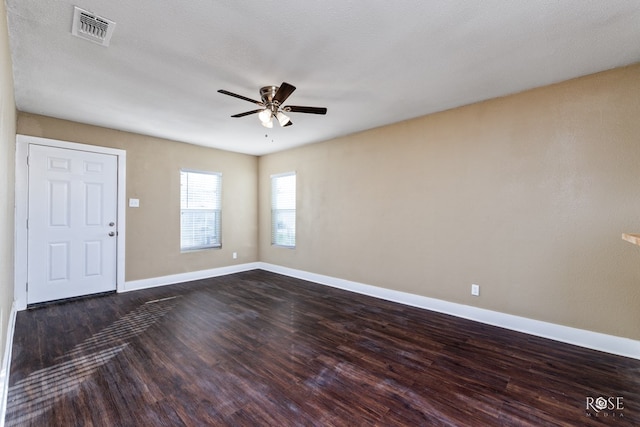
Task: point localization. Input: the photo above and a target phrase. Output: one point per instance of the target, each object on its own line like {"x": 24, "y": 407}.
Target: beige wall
{"x": 525, "y": 195}
{"x": 153, "y": 176}
{"x": 7, "y": 177}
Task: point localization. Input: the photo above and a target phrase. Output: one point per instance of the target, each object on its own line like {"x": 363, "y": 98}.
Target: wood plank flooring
{"x": 260, "y": 349}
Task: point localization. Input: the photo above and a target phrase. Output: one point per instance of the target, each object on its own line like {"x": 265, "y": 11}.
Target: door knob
{"x": 111, "y": 224}
{"x": 111, "y": 233}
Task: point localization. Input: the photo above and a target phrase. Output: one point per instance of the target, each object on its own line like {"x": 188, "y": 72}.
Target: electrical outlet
{"x": 235, "y": 255}
{"x": 475, "y": 290}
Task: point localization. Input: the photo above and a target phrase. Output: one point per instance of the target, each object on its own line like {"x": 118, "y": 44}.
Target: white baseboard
{"x": 135, "y": 285}
{"x": 6, "y": 363}
{"x": 580, "y": 337}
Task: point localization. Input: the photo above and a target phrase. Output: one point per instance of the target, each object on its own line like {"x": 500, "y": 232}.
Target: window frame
{"x": 217, "y": 243}
{"x": 275, "y": 212}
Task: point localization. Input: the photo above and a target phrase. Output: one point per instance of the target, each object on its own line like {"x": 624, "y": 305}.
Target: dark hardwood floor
{"x": 260, "y": 349}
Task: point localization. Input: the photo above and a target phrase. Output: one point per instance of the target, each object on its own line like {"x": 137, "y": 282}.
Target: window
{"x": 200, "y": 208}
{"x": 283, "y": 209}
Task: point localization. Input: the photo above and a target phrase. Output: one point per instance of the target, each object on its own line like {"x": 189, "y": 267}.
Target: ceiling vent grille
{"x": 90, "y": 27}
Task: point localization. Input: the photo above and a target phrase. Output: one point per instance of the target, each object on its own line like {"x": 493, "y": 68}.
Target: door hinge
{"x": 27, "y": 160}
{"x": 27, "y": 287}
{"x": 27, "y": 223}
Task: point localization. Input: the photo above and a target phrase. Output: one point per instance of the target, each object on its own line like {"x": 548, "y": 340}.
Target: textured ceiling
{"x": 370, "y": 63}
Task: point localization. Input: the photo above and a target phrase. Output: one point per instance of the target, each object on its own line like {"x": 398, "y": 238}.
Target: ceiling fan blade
{"x": 235, "y": 95}
{"x": 289, "y": 123}
{"x": 283, "y": 92}
{"x": 247, "y": 113}
{"x": 301, "y": 109}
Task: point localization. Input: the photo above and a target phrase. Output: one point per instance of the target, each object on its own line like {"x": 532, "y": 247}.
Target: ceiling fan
{"x": 270, "y": 105}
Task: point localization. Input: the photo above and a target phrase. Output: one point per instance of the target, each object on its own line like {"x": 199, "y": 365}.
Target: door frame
{"x": 22, "y": 212}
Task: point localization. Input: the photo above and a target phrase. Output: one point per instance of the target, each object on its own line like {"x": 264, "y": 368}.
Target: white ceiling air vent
{"x": 90, "y": 27}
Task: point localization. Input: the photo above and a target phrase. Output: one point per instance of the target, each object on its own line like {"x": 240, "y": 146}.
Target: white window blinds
{"x": 283, "y": 209}
{"x": 200, "y": 210}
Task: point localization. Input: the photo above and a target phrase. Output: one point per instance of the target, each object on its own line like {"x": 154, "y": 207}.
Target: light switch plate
{"x": 475, "y": 290}
{"x": 134, "y": 203}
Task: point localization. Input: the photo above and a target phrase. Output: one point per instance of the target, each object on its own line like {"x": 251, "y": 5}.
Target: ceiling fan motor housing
{"x": 267, "y": 93}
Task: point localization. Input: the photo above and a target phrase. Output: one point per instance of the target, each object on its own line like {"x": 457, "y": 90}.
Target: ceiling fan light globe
{"x": 283, "y": 119}
{"x": 265, "y": 116}
{"x": 267, "y": 124}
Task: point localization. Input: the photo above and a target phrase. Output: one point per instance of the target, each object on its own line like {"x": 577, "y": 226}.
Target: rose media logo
{"x": 610, "y": 406}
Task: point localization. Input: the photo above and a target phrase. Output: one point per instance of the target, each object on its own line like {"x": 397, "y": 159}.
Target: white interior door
{"x": 72, "y": 230}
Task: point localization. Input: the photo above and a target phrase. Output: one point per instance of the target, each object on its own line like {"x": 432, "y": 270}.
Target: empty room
{"x": 320, "y": 213}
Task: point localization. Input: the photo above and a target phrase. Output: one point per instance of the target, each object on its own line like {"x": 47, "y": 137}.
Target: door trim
{"x": 21, "y": 209}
